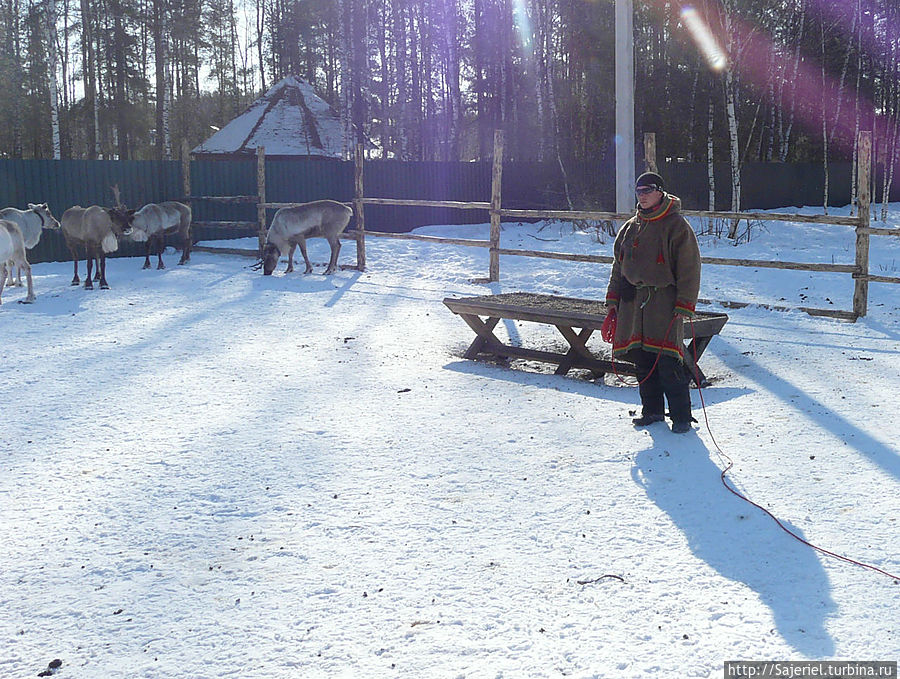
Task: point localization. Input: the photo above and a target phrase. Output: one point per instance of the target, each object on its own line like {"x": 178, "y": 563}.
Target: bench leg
{"x": 485, "y": 334}
{"x": 578, "y": 344}
{"x": 696, "y": 348}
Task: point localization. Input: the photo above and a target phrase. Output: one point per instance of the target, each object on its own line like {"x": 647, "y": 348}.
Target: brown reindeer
{"x": 12, "y": 253}
{"x": 291, "y": 226}
{"x": 93, "y": 232}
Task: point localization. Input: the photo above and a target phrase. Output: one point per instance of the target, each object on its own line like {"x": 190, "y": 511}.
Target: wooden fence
{"x": 152, "y": 179}
{"x": 859, "y": 270}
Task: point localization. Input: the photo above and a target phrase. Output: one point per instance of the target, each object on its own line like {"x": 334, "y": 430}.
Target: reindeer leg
{"x": 97, "y": 269}
{"x": 30, "y": 296}
{"x": 302, "y": 245}
{"x": 146, "y": 254}
{"x": 335, "y": 250}
{"x": 2, "y": 279}
{"x": 103, "y": 284}
{"x": 13, "y": 269}
{"x": 186, "y": 246}
{"x": 75, "y": 280}
{"x": 88, "y": 281}
{"x": 161, "y": 246}
{"x": 290, "y": 266}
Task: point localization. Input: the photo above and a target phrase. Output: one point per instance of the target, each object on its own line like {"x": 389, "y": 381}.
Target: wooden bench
{"x": 567, "y": 314}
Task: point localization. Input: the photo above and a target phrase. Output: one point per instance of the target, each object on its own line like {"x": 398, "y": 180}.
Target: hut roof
{"x": 288, "y": 120}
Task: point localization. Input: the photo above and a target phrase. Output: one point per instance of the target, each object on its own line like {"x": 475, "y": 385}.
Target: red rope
{"x": 612, "y": 358}
{"x": 730, "y": 463}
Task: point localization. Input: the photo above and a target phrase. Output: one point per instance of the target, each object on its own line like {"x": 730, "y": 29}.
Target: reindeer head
{"x": 48, "y": 221}
{"x": 121, "y": 218}
{"x": 271, "y": 253}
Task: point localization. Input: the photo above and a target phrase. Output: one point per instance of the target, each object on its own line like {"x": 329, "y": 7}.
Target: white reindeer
{"x": 152, "y": 222}
{"x": 12, "y": 250}
{"x": 92, "y": 231}
{"x": 291, "y": 226}
{"x": 32, "y": 222}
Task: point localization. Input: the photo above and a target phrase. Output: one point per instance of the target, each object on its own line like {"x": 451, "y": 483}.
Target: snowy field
{"x": 205, "y": 472}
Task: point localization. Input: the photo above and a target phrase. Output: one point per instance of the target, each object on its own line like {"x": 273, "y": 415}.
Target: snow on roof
{"x": 288, "y": 120}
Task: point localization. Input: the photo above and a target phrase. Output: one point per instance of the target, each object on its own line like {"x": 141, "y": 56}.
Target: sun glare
{"x": 704, "y": 38}
{"x": 523, "y": 24}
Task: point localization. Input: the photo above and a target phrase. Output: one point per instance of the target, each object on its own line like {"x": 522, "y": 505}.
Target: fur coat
{"x": 656, "y": 274}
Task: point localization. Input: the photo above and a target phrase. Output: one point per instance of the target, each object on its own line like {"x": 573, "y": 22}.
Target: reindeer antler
{"x": 117, "y": 195}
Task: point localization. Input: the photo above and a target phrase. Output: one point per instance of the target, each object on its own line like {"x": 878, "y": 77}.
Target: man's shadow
{"x": 738, "y": 540}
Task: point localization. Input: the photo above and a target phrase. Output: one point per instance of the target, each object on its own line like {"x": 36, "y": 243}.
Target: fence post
{"x": 358, "y": 208}
{"x": 496, "y": 181}
{"x": 261, "y": 195}
{"x": 864, "y": 198}
{"x": 650, "y": 152}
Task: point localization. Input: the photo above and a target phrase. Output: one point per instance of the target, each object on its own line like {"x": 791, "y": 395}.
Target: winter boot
{"x": 646, "y": 420}
{"x": 681, "y": 427}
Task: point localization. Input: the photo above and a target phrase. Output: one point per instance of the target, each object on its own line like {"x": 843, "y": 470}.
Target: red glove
{"x": 608, "y": 329}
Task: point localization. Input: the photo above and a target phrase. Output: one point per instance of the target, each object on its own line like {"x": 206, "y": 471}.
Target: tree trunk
{"x": 454, "y": 112}
{"x": 401, "y": 130}
{"x": 120, "y": 73}
{"x": 53, "y": 63}
{"x": 90, "y": 80}
{"x": 731, "y": 118}
{"x": 260, "y": 33}
{"x": 385, "y": 89}
{"x": 891, "y": 154}
{"x": 734, "y": 149}
{"x": 856, "y": 125}
{"x": 844, "y": 68}
{"x": 483, "y": 127}
{"x": 785, "y": 133}
{"x": 160, "y": 39}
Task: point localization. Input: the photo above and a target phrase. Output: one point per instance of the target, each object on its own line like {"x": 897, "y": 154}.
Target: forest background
{"x": 781, "y": 80}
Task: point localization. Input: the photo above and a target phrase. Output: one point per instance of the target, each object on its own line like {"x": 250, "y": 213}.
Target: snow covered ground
{"x": 205, "y": 472}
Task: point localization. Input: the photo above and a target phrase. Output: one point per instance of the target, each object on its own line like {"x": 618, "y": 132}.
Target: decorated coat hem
{"x": 668, "y": 349}
{"x": 685, "y": 309}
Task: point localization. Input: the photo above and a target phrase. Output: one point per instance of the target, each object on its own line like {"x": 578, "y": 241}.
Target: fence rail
{"x": 858, "y": 270}
{"x": 239, "y": 209}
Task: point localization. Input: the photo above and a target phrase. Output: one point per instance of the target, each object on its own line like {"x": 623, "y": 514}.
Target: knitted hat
{"x": 651, "y": 179}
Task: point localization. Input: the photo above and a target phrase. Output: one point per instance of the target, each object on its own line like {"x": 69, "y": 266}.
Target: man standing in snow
{"x": 653, "y": 286}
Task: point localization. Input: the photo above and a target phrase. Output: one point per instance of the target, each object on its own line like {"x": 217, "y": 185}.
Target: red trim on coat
{"x": 685, "y": 307}
{"x": 639, "y": 342}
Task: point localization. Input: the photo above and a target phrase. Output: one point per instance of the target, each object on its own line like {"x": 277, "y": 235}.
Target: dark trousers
{"x": 668, "y": 379}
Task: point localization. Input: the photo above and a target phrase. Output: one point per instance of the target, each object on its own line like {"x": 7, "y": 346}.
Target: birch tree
{"x": 53, "y": 64}
{"x": 163, "y": 97}
{"x": 729, "y": 86}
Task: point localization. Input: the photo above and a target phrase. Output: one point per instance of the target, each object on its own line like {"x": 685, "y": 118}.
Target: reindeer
{"x": 151, "y": 224}
{"x": 93, "y": 231}
{"x": 12, "y": 250}
{"x": 32, "y": 222}
{"x": 291, "y": 226}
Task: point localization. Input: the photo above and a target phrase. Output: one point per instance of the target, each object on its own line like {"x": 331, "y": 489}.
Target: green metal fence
{"x": 526, "y": 185}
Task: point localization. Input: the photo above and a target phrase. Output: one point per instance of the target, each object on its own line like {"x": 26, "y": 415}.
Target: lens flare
{"x": 523, "y": 24}
{"x": 704, "y": 38}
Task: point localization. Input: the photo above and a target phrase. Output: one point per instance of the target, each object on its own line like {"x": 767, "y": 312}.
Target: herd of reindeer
{"x": 93, "y": 232}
